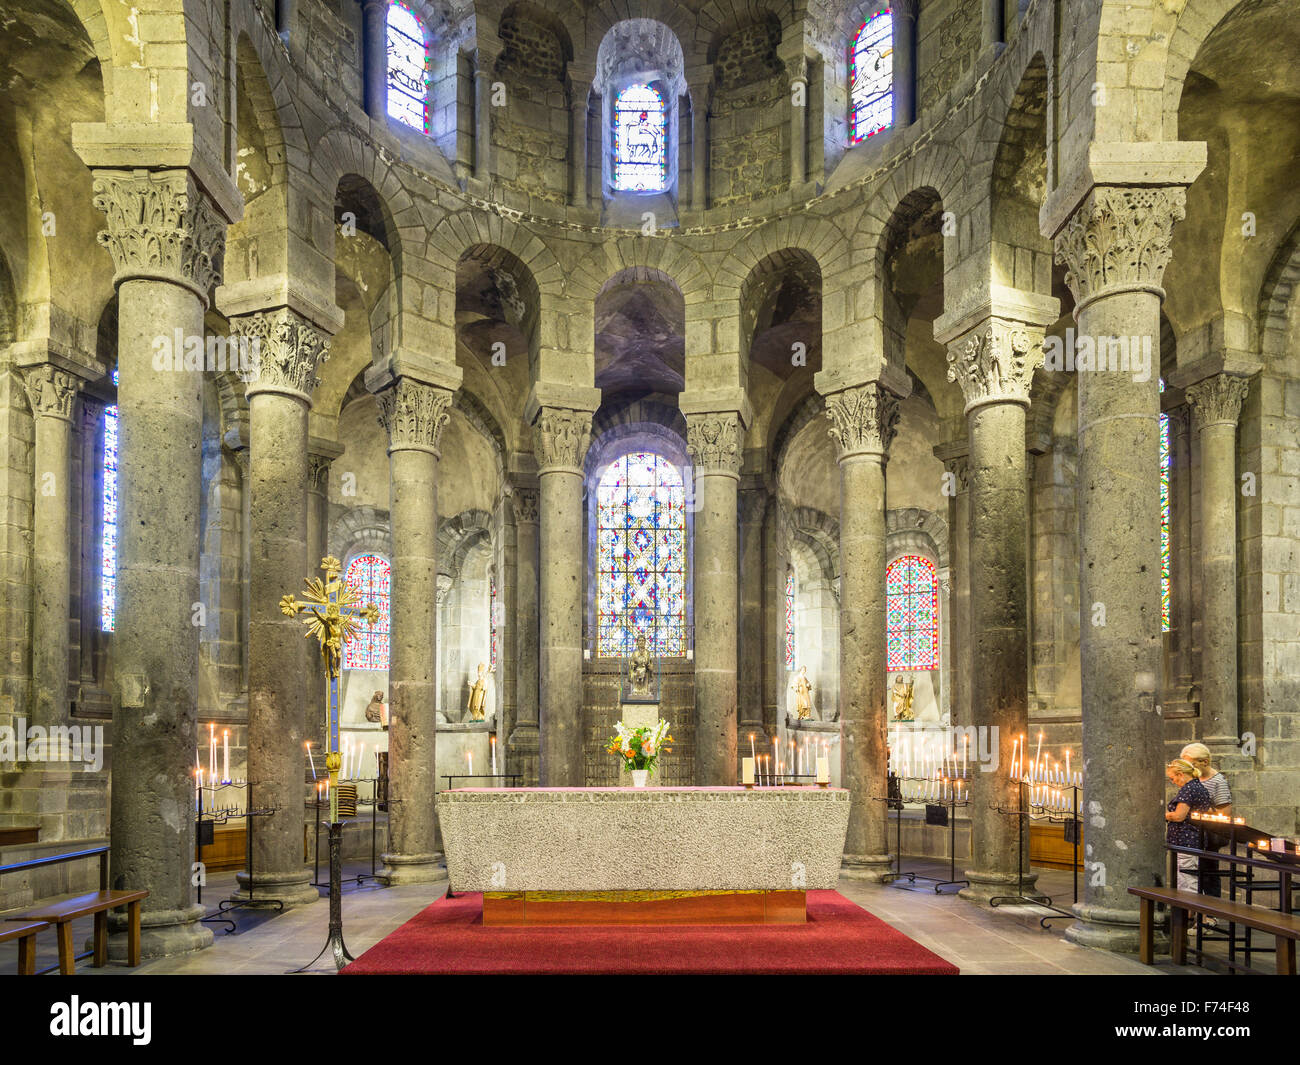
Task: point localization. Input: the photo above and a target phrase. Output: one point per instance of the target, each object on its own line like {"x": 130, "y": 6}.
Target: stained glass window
{"x": 911, "y": 614}
{"x": 408, "y": 68}
{"x": 108, "y": 516}
{"x": 871, "y": 77}
{"x": 369, "y": 579}
{"x": 789, "y": 619}
{"x": 641, "y": 551}
{"x": 492, "y": 608}
{"x": 640, "y": 140}
{"x": 1165, "y": 461}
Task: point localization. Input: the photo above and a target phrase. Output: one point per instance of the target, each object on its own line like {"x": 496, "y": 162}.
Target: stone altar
{"x": 605, "y": 855}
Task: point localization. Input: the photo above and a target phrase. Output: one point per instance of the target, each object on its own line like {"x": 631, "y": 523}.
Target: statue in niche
{"x": 377, "y": 710}
{"x": 901, "y": 695}
{"x": 640, "y": 666}
{"x": 480, "y": 696}
{"x": 799, "y": 697}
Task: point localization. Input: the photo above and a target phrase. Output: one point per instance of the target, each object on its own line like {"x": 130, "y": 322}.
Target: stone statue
{"x": 901, "y": 696}
{"x": 376, "y": 710}
{"x": 799, "y": 704}
{"x": 638, "y": 673}
{"x": 478, "y": 694}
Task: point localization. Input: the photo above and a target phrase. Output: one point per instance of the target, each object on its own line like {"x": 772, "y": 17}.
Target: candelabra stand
{"x": 205, "y": 823}
{"x": 939, "y": 810}
{"x": 1023, "y": 813}
{"x": 374, "y": 803}
{"x": 513, "y": 779}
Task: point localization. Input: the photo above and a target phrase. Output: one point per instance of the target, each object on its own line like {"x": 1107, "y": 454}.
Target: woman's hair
{"x": 1182, "y": 765}
{"x": 1196, "y": 752}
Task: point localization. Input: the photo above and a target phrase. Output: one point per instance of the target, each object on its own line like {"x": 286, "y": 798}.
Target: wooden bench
{"x": 98, "y": 903}
{"x": 26, "y": 936}
{"x": 1284, "y": 926}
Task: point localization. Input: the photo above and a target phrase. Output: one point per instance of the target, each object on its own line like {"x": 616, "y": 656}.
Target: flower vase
{"x": 639, "y": 777}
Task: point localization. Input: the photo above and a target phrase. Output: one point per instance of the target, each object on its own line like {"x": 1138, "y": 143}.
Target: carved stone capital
{"x": 318, "y": 472}
{"x": 1120, "y": 238}
{"x": 959, "y": 467}
{"x": 864, "y": 420}
{"x": 713, "y": 442}
{"x": 286, "y": 351}
{"x": 1217, "y": 400}
{"x": 561, "y": 438}
{"x": 413, "y": 415}
{"x": 995, "y": 363}
{"x": 161, "y": 225}
{"x": 50, "y": 391}
{"x": 797, "y": 69}
{"x": 525, "y": 502}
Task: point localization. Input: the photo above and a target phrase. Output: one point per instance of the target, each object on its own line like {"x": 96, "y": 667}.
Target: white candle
{"x": 225, "y": 765}
{"x": 470, "y": 756}
{"x": 494, "y": 755}
{"x": 823, "y": 770}
{"x": 311, "y": 760}
{"x": 212, "y": 751}
{"x": 747, "y": 771}
{"x": 751, "y": 746}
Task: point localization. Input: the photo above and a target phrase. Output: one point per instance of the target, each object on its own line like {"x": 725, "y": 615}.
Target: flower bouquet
{"x": 639, "y": 748}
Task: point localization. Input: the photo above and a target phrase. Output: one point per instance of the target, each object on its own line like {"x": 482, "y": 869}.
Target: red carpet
{"x": 840, "y": 937}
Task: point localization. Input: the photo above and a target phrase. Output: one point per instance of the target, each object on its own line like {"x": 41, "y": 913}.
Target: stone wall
{"x": 749, "y": 129}
{"x": 947, "y": 45}
{"x": 530, "y": 135}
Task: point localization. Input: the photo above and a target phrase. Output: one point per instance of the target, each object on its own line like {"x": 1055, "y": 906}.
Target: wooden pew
{"x": 26, "y": 936}
{"x": 1284, "y": 926}
{"x": 98, "y": 903}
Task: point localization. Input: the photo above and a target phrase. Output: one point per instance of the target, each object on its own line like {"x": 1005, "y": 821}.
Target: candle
{"x": 311, "y": 760}
{"x": 225, "y": 764}
{"x": 965, "y": 747}
{"x": 747, "y": 771}
{"x": 1038, "y": 753}
{"x": 470, "y": 756}
{"x": 493, "y": 741}
{"x": 751, "y": 747}
{"x": 823, "y": 770}
{"x": 212, "y": 751}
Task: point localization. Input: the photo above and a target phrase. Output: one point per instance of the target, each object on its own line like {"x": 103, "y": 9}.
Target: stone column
{"x": 956, "y": 461}
{"x": 1216, "y": 407}
{"x": 167, "y": 240}
{"x": 904, "y": 63}
{"x": 798, "y": 71}
{"x": 483, "y": 118}
{"x": 290, "y": 349}
{"x": 864, "y": 420}
{"x": 994, "y": 365}
{"x": 699, "y": 145}
{"x": 713, "y": 440}
{"x": 524, "y": 742}
{"x": 561, "y": 437}
{"x": 374, "y": 43}
{"x": 51, "y": 393}
{"x": 578, "y": 146}
{"x": 1115, "y": 246}
{"x": 994, "y": 24}
{"x": 320, "y": 456}
{"x": 749, "y": 691}
{"x": 413, "y": 414}
{"x": 1180, "y": 553}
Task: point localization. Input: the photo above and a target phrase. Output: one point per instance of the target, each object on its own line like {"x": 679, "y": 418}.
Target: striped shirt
{"x": 1220, "y": 793}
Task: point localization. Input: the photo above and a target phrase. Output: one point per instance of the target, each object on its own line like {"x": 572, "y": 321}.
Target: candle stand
{"x": 334, "y": 943}
{"x": 375, "y": 804}
{"x": 1023, "y": 815}
{"x": 938, "y": 811}
{"x": 204, "y": 825}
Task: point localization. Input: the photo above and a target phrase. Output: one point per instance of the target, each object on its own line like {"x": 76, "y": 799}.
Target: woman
{"x": 1221, "y": 796}
{"x": 1179, "y": 829}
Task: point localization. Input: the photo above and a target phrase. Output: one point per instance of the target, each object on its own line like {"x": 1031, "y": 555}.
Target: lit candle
{"x": 965, "y": 746}
{"x": 225, "y": 764}
{"x": 212, "y": 751}
{"x": 493, "y": 741}
{"x": 311, "y": 760}
{"x": 1015, "y": 746}
{"x": 470, "y": 756}
{"x": 747, "y": 771}
{"x": 823, "y": 770}
{"x": 1039, "y": 752}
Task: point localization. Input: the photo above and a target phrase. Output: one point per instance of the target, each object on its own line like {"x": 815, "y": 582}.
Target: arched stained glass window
{"x": 1165, "y": 464}
{"x": 871, "y": 77}
{"x": 108, "y": 522}
{"x": 369, "y": 577}
{"x": 911, "y": 614}
{"x": 789, "y": 619}
{"x": 408, "y": 68}
{"x": 640, "y": 140}
{"x": 641, "y": 551}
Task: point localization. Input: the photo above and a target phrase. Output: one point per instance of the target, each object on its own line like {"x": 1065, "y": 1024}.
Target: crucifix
{"x": 333, "y": 617}
{"x": 333, "y": 614}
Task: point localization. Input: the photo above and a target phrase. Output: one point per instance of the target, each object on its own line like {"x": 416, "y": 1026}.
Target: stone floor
{"x": 979, "y": 940}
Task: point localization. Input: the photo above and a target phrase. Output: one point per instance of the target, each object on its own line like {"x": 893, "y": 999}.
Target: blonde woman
{"x": 1179, "y": 828}
{"x": 1221, "y": 796}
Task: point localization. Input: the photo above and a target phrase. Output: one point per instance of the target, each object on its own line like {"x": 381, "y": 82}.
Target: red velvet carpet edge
{"x": 840, "y": 937}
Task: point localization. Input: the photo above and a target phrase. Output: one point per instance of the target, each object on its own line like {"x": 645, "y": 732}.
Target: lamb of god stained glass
{"x": 641, "y": 547}
{"x": 640, "y": 127}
